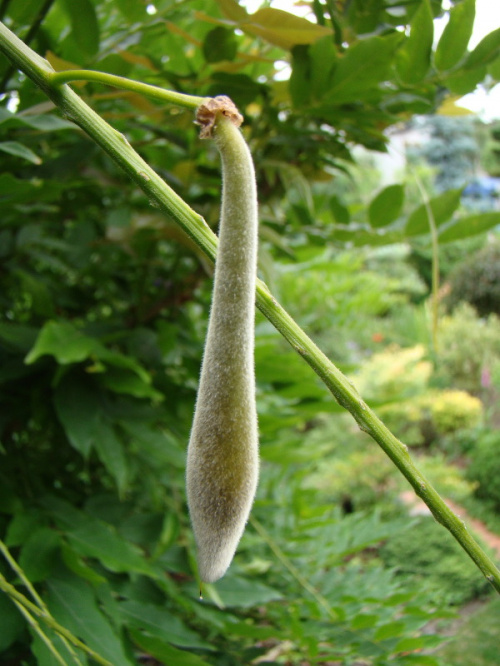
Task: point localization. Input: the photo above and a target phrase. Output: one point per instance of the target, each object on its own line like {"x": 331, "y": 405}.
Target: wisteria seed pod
{"x": 223, "y": 460}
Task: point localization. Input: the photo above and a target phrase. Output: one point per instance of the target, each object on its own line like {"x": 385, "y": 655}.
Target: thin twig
{"x": 66, "y": 76}
{"x": 27, "y": 583}
{"x": 43, "y": 636}
{"x": 303, "y": 582}
{"x": 435, "y": 262}
{"x": 18, "y": 597}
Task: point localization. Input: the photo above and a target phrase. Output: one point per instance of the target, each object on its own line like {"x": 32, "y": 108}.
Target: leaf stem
{"x": 22, "y": 576}
{"x": 27, "y": 583}
{"x": 19, "y": 598}
{"x": 38, "y": 630}
{"x": 118, "y": 148}
{"x": 66, "y": 76}
{"x": 292, "y": 569}
{"x": 435, "y": 262}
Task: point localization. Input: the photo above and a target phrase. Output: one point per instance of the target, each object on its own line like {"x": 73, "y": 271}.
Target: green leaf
{"x": 112, "y": 454}
{"x": 38, "y": 554}
{"x": 158, "y": 621}
{"x": 361, "y": 68}
{"x": 239, "y": 87}
{"x": 79, "y": 408}
{"x": 21, "y": 526}
{"x": 45, "y": 657}
{"x": 386, "y": 206}
{"x": 470, "y": 226}
{"x": 414, "y": 57}
{"x": 12, "y": 623}
{"x": 244, "y": 593}
{"x": 18, "y": 336}
{"x": 64, "y": 342}
{"x": 362, "y": 237}
{"x": 74, "y": 605}
{"x": 410, "y": 644}
{"x": 15, "y": 189}
{"x": 494, "y": 69}
{"x": 131, "y": 10}
{"x": 123, "y": 381}
{"x": 123, "y": 362}
{"x": 169, "y": 534}
{"x": 456, "y": 35}
{"x": 24, "y": 11}
{"x": 364, "y": 621}
{"x": 77, "y": 565}
{"x": 418, "y": 660}
{"x": 19, "y": 150}
{"x": 38, "y": 291}
{"x": 44, "y": 123}
{"x": 487, "y": 50}
{"x": 167, "y": 654}
{"x": 233, "y": 10}
{"x": 84, "y": 25}
{"x": 93, "y": 538}
{"x": 68, "y": 345}
{"x": 465, "y": 80}
{"x": 282, "y": 28}
{"x": 390, "y": 630}
{"x": 323, "y": 57}
{"x": 255, "y": 631}
{"x": 442, "y": 206}
{"x": 78, "y": 405}
{"x": 340, "y": 212}
{"x": 220, "y": 44}
{"x": 299, "y": 79}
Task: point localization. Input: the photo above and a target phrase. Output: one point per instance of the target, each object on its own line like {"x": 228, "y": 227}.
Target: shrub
{"x": 358, "y": 480}
{"x": 398, "y": 380}
{"x": 477, "y": 281}
{"x": 469, "y": 347}
{"x": 455, "y": 410}
{"x": 438, "y": 563}
{"x": 394, "y": 374}
{"x": 484, "y": 467}
{"x": 432, "y": 416}
{"x": 450, "y": 255}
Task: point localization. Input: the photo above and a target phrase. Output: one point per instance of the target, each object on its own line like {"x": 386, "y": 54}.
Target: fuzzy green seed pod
{"x": 222, "y": 460}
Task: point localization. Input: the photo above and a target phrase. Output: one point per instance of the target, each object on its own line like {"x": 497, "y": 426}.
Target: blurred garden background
{"x": 379, "y": 232}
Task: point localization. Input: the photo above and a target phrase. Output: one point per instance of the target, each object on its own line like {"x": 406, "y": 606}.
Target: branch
{"x": 118, "y": 148}
{"x": 188, "y": 101}
{"x": 20, "y": 600}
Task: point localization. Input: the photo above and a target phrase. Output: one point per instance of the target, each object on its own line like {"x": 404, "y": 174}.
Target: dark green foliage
{"x": 439, "y": 564}
{"x": 469, "y": 351}
{"x": 450, "y": 254}
{"x": 477, "y": 281}
{"x": 484, "y": 468}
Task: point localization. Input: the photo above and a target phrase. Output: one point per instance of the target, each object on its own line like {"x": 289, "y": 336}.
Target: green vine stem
{"x": 435, "y": 262}
{"x": 292, "y": 569}
{"x": 42, "y": 635}
{"x": 36, "y": 597}
{"x": 118, "y": 148}
{"x": 188, "y": 101}
{"x": 19, "y": 598}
